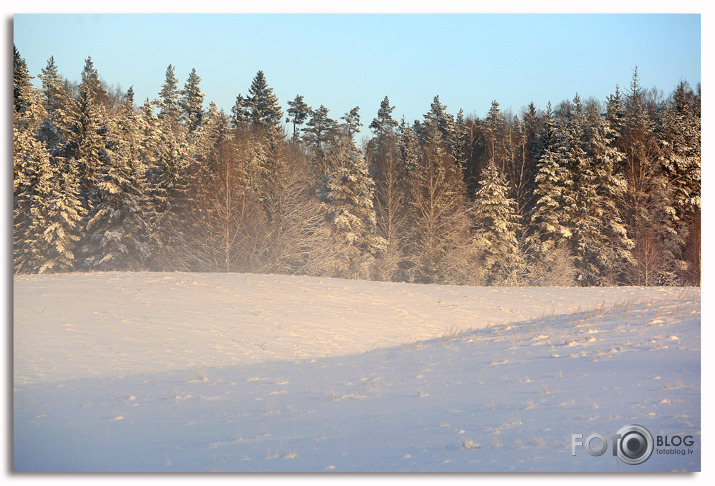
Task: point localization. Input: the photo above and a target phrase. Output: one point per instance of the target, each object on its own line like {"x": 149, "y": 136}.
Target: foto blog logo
{"x": 632, "y": 444}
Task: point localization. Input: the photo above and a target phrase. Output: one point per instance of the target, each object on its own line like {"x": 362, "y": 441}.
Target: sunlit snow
{"x": 237, "y": 372}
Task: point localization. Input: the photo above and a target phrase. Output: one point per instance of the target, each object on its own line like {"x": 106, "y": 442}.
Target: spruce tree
{"x": 646, "y": 204}
{"x": 494, "y": 135}
{"x": 32, "y": 174}
{"x": 461, "y": 144}
{"x": 62, "y": 225}
{"x": 191, "y": 102}
{"x": 22, "y": 89}
{"x": 55, "y": 130}
{"x": 259, "y": 110}
{"x": 27, "y": 108}
{"x": 679, "y": 136}
{"x": 531, "y": 122}
{"x": 383, "y": 127}
{"x": 351, "y": 215}
{"x": 93, "y": 84}
{"x": 87, "y": 143}
{"x": 601, "y": 246}
{"x": 519, "y": 167}
{"x": 260, "y": 115}
{"x": 213, "y": 130}
{"x": 241, "y": 110}
{"x": 47, "y": 210}
{"x": 408, "y": 146}
{"x": 548, "y": 233}
{"x": 266, "y": 113}
{"x": 169, "y": 107}
{"x": 496, "y": 229}
{"x": 438, "y": 117}
{"x": 152, "y": 148}
{"x": 169, "y": 176}
{"x": 576, "y": 167}
{"x": 117, "y": 232}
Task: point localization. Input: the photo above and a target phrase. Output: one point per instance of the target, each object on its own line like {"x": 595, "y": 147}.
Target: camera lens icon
{"x": 635, "y": 445}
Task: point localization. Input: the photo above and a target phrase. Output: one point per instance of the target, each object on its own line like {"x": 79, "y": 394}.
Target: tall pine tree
{"x": 298, "y": 112}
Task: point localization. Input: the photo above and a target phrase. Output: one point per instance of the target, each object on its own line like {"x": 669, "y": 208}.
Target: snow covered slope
{"x": 234, "y": 372}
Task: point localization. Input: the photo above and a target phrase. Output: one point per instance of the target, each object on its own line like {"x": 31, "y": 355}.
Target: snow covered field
{"x": 233, "y": 372}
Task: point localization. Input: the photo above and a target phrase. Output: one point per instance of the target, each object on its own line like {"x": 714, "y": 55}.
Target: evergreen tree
{"x": 297, "y": 112}
{"x": 576, "y": 165}
{"x": 213, "y": 130}
{"x": 549, "y": 228}
{"x": 22, "y": 90}
{"x": 496, "y": 229}
{"x": 319, "y": 132}
{"x": 31, "y": 174}
{"x": 173, "y": 163}
{"x": 169, "y": 107}
{"x": 680, "y": 139}
{"x": 646, "y": 205}
{"x": 55, "y": 130}
{"x": 259, "y": 110}
{"x": 241, "y": 111}
{"x": 149, "y": 123}
{"x": 352, "y": 121}
{"x": 601, "y": 245}
{"x": 62, "y": 225}
{"x": 27, "y": 108}
{"x": 47, "y": 210}
{"x": 520, "y": 167}
{"x": 169, "y": 176}
{"x": 153, "y": 153}
{"x": 461, "y": 144}
{"x": 88, "y": 143}
{"x": 531, "y": 122}
{"x": 53, "y": 87}
{"x": 116, "y": 235}
{"x": 383, "y": 127}
{"x": 383, "y": 124}
{"x": 615, "y": 111}
{"x": 92, "y": 84}
{"x": 351, "y": 215}
{"x": 391, "y": 208}
{"x": 87, "y": 121}
{"x": 266, "y": 113}
{"x": 494, "y": 135}
{"x": 191, "y": 102}
{"x": 438, "y": 117}
{"x": 408, "y": 146}
{"x": 259, "y": 116}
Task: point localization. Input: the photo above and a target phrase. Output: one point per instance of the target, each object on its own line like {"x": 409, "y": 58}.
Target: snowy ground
{"x": 233, "y": 372}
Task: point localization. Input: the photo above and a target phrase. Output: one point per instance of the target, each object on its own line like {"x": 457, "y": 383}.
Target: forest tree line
{"x": 585, "y": 192}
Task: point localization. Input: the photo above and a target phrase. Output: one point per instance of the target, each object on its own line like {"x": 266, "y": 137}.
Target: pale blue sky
{"x": 342, "y": 61}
